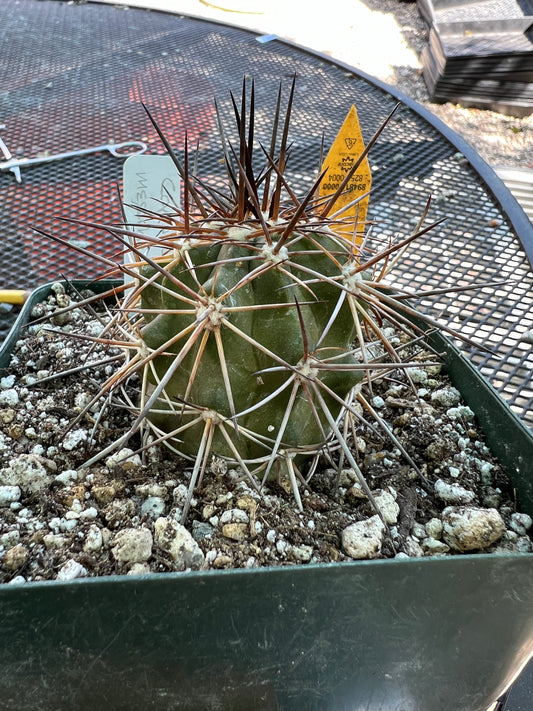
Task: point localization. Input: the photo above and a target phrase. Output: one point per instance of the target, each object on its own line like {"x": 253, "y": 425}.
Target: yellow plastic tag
{"x": 345, "y": 150}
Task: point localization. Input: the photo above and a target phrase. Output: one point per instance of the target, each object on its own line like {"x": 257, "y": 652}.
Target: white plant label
{"x": 149, "y": 183}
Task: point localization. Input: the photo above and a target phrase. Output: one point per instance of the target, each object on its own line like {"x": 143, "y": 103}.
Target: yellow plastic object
{"x": 344, "y": 152}
{"x": 13, "y": 296}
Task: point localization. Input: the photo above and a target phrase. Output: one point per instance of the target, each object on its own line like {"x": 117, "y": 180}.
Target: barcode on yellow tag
{"x": 350, "y": 207}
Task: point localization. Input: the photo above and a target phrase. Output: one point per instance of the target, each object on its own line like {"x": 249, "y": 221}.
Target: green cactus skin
{"x": 228, "y": 370}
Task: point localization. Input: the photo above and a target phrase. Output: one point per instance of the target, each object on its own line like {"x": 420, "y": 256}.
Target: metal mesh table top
{"x": 73, "y": 76}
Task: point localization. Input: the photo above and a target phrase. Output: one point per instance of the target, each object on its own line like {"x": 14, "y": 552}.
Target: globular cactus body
{"x": 261, "y": 323}
{"x": 250, "y": 330}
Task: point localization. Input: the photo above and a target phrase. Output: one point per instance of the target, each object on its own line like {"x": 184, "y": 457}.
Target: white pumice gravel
{"x": 132, "y": 545}
{"x": 174, "y": 539}
{"x": 9, "y": 494}
{"x": 388, "y": 507}
{"x": 471, "y": 528}
{"x": 71, "y": 570}
{"x": 453, "y": 493}
{"x": 60, "y": 519}
{"x": 364, "y": 539}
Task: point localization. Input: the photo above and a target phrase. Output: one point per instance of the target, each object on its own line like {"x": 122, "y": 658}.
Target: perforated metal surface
{"x": 72, "y": 76}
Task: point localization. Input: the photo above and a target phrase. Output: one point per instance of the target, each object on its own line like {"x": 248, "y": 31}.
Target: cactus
{"x": 250, "y": 329}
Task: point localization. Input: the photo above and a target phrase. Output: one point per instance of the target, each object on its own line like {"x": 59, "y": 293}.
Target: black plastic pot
{"x": 431, "y": 634}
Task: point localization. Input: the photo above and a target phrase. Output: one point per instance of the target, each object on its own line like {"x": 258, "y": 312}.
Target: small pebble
{"x": 301, "y": 554}
{"x": 174, "y": 539}
{"x": 235, "y": 531}
{"x": 461, "y": 413}
{"x": 412, "y": 547}
{"x": 28, "y": 472}
{"x": 282, "y": 546}
{"x": 453, "y": 493}
{"x": 153, "y": 507}
{"x": 222, "y": 561}
{"x": 202, "y": 530}
{"x": 89, "y": 513}
{"x": 180, "y": 494}
{"x": 418, "y": 375}
{"x": 9, "y": 494}
{"x": 146, "y": 490}
{"x": 7, "y": 382}
{"x": 54, "y": 541}
{"x": 104, "y": 494}
{"x": 434, "y": 528}
{"x": 68, "y": 524}
{"x": 234, "y": 516}
{"x": 271, "y": 535}
{"x": 9, "y": 539}
{"x": 521, "y": 523}
{"x": 363, "y": 539}
{"x": 446, "y": 397}
{"x": 524, "y": 545}
{"x": 93, "y": 539}
{"x": 9, "y": 398}
{"x": 73, "y": 439}
{"x": 123, "y": 462}
{"x": 469, "y": 528}
{"x": 17, "y": 580}
{"x": 67, "y": 477}
{"x": 71, "y": 570}
{"x": 485, "y": 469}
{"x": 356, "y": 492}
{"x": 387, "y": 505}
{"x": 139, "y": 569}
{"x": 418, "y": 531}
{"x": 132, "y": 545}
{"x": 16, "y": 557}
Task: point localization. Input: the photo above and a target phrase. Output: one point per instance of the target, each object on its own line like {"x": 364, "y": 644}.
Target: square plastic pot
{"x": 431, "y": 634}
